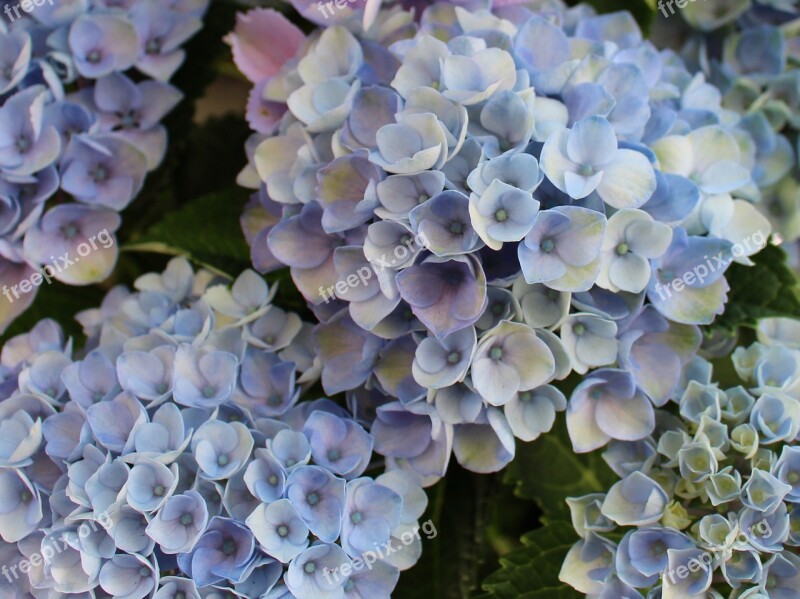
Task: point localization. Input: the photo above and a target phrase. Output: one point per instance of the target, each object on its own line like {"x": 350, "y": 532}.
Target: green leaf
{"x": 459, "y": 508}
{"x": 548, "y": 471}
{"x": 532, "y": 572}
{"x": 767, "y": 289}
{"x": 205, "y": 230}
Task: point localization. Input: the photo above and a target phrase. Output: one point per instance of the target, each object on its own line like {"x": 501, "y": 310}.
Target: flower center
{"x": 334, "y": 455}
{"x": 547, "y": 246}
{"x": 310, "y": 567}
{"x": 456, "y": 228}
{"x": 272, "y": 480}
{"x": 622, "y": 249}
{"x": 93, "y": 57}
{"x": 69, "y": 230}
{"x": 158, "y": 490}
{"x": 579, "y": 329}
{"x": 228, "y": 547}
{"x": 23, "y": 144}
{"x": 283, "y": 530}
{"x": 187, "y": 519}
{"x": 153, "y": 46}
{"x": 501, "y": 215}
{"x": 356, "y": 517}
{"x": 312, "y": 499}
{"x": 454, "y": 357}
{"x": 496, "y": 353}
{"x": 222, "y": 460}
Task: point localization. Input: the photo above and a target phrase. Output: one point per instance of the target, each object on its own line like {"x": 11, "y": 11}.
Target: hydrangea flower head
{"x": 710, "y": 508}
{"x": 455, "y": 186}
{"x": 74, "y": 122}
{"x": 151, "y": 442}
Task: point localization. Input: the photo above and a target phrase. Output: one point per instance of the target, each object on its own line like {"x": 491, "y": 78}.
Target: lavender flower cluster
{"x": 173, "y": 459}
{"x": 74, "y": 125}
{"x": 706, "y": 506}
{"x": 479, "y": 202}
{"x": 755, "y": 65}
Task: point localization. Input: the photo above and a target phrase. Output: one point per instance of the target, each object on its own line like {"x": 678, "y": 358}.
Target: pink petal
{"x": 262, "y": 42}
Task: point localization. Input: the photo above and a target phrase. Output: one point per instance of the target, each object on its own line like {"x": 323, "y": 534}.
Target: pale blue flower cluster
{"x": 480, "y": 202}
{"x": 709, "y": 504}
{"x": 754, "y": 59}
{"x": 74, "y": 125}
{"x": 172, "y": 458}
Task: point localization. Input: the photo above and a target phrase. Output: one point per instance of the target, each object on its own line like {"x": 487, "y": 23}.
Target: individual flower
{"x": 589, "y": 340}
{"x": 83, "y": 239}
{"x": 445, "y": 294}
{"x": 415, "y": 143}
{"x": 688, "y": 283}
{"x": 510, "y": 359}
{"x": 587, "y": 158}
{"x": 102, "y": 44}
{"x": 563, "y": 247}
{"x": 632, "y": 239}
{"x": 221, "y": 448}
{"x": 203, "y": 377}
{"x": 371, "y": 514}
{"x": 306, "y": 574}
{"x": 27, "y": 145}
{"x": 319, "y": 498}
{"x": 502, "y": 213}
{"x": 150, "y": 484}
{"x": 179, "y": 523}
{"x": 441, "y": 363}
{"x": 279, "y": 529}
{"x": 338, "y": 444}
{"x": 104, "y": 171}
{"x": 608, "y": 405}
{"x": 635, "y": 500}
{"x": 222, "y": 552}
{"x": 129, "y": 576}
{"x": 444, "y": 224}
{"x": 20, "y": 506}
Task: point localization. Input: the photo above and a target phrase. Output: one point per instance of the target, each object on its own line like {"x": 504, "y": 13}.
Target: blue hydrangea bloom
{"x": 73, "y": 121}
{"x": 116, "y": 443}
